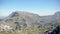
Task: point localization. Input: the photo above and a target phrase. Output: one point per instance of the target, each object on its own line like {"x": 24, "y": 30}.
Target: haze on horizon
{"x": 40, "y": 7}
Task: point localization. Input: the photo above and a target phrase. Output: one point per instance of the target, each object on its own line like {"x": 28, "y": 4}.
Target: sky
{"x": 40, "y": 7}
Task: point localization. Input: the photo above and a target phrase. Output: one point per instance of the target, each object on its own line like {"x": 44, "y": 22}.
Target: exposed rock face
{"x": 4, "y": 27}
{"x": 57, "y": 15}
{"x": 25, "y": 19}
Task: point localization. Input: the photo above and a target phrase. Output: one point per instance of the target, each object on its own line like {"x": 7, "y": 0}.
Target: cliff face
{"x": 25, "y": 19}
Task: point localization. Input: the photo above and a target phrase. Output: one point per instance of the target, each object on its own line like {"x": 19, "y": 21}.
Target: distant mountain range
{"x": 25, "y": 19}
{"x": 1, "y": 17}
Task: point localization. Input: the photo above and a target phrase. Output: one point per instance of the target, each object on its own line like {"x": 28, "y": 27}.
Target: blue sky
{"x": 41, "y": 7}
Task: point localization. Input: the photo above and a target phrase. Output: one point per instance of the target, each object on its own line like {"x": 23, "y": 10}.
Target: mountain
{"x": 50, "y": 19}
{"x": 25, "y": 19}
{"x": 1, "y": 17}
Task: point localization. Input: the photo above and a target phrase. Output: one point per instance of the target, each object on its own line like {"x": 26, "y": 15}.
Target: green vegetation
{"x": 29, "y": 30}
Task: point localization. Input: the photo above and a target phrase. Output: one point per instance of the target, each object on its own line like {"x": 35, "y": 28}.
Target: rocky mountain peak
{"x": 30, "y": 19}
{"x": 57, "y": 13}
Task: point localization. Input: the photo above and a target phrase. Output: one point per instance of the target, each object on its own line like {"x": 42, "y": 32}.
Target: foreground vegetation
{"x": 29, "y": 30}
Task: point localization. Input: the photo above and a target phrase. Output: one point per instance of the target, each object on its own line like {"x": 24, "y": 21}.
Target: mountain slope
{"x": 25, "y": 19}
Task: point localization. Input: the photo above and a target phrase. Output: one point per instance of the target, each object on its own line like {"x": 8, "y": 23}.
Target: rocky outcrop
{"x": 25, "y": 19}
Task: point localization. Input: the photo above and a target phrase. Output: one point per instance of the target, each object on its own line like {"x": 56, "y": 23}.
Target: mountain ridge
{"x": 25, "y": 19}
